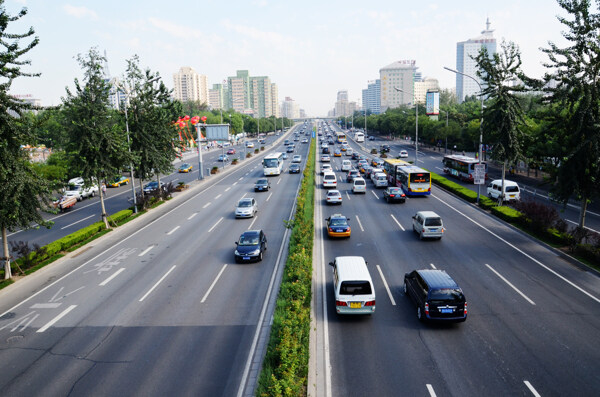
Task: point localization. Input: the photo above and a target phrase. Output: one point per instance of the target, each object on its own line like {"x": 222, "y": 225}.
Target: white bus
{"x": 359, "y": 137}
{"x": 272, "y": 164}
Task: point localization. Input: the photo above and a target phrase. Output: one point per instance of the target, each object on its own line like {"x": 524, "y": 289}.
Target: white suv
{"x": 346, "y": 165}
{"x": 329, "y": 180}
{"x": 428, "y": 224}
{"x": 359, "y": 185}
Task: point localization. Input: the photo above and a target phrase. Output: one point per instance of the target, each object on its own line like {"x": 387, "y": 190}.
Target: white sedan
{"x": 403, "y": 154}
{"x": 334, "y": 197}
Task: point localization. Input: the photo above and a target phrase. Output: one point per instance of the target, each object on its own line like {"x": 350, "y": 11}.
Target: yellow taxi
{"x": 337, "y": 226}
{"x": 185, "y": 167}
{"x": 337, "y": 153}
{"x": 118, "y": 181}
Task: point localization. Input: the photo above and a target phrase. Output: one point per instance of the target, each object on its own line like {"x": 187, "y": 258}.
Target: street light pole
{"x": 446, "y": 147}
{"x": 480, "y": 123}
{"x": 135, "y": 210}
{"x": 416, "y": 126}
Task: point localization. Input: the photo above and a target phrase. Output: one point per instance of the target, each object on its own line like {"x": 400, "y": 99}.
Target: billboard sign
{"x": 432, "y": 101}
{"x": 216, "y": 132}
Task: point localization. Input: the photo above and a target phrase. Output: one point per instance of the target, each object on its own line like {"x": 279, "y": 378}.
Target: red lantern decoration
{"x": 203, "y": 118}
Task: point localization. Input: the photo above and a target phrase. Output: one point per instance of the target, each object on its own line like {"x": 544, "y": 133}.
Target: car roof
{"x": 338, "y": 216}
{"x": 352, "y": 268}
{"x": 251, "y": 232}
{"x": 436, "y": 278}
{"x": 506, "y": 182}
{"x": 333, "y": 192}
{"x": 246, "y": 199}
{"x": 428, "y": 214}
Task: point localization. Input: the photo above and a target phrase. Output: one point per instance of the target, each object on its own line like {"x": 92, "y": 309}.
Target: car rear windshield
{"x": 359, "y": 182}
{"x": 338, "y": 222}
{"x": 355, "y": 288}
{"x": 512, "y": 189}
{"x": 446, "y": 295}
{"x": 433, "y": 222}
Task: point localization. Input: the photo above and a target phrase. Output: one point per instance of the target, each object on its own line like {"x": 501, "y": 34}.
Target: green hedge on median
{"x": 285, "y": 367}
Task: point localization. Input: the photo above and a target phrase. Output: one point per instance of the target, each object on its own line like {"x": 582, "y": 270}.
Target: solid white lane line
{"x": 74, "y": 223}
{"x": 173, "y": 230}
{"x": 144, "y": 252}
{"x": 55, "y": 319}
{"x": 531, "y": 389}
{"x": 375, "y": 194}
{"x": 270, "y": 194}
{"x": 157, "y": 283}
{"x": 572, "y": 284}
{"x": 218, "y": 195}
{"x": 359, "y": 224}
{"x": 228, "y": 189}
{"x": 215, "y": 225}
{"x": 432, "y": 266}
{"x": 252, "y": 223}
{"x": 568, "y": 220}
{"x": 398, "y": 223}
{"x": 108, "y": 280}
{"x": 431, "y": 391}
{"x": 510, "y": 285}
{"x": 206, "y": 205}
{"x": 213, "y": 284}
{"x": 387, "y": 288}
{"x": 278, "y": 180}
{"x": 191, "y": 216}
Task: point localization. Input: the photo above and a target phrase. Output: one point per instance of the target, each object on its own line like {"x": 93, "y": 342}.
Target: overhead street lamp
{"x": 480, "y": 123}
{"x": 416, "y": 126}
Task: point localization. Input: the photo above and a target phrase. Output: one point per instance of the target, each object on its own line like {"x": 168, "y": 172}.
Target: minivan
{"x": 359, "y": 185}
{"x": 380, "y": 179}
{"x": 428, "y": 224}
{"x": 352, "y": 286}
{"x": 436, "y": 295}
{"x": 511, "y": 190}
{"x": 329, "y": 179}
{"x": 346, "y": 165}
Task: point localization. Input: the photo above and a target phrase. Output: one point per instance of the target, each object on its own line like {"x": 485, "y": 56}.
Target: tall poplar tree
{"x": 575, "y": 70}
{"x": 95, "y": 135}
{"x": 22, "y": 191}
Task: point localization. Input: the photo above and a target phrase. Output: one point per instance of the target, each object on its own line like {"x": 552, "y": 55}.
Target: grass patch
{"x": 285, "y": 367}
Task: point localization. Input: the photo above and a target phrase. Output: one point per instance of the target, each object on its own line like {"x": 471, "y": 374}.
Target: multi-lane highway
{"x": 88, "y": 210}
{"x": 533, "y": 318}
{"x": 158, "y": 306}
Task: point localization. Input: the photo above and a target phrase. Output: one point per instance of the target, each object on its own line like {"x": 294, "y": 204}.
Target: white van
{"x": 329, "y": 180}
{"x": 511, "y": 190}
{"x": 352, "y": 286}
{"x": 359, "y": 185}
{"x": 346, "y": 165}
{"x": 349, "y": 152}
{"x": 380, "y": 179}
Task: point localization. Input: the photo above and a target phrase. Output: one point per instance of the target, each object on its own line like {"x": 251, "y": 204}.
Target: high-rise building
{"x": 255, "y": 95}
{"x": 421, "y": 88}
{"x": 342, "y": 106}
{"x": 290, "y": 108}
{"x": 217, "y": 96}
{"x": 260, "y": 96}
{"x": 371, "y": 97}
{"x": 275, "y": 100}
{"x": 398, "y": 75}
{"x": 190, "y": 86}
{"x": 465, "y": 64}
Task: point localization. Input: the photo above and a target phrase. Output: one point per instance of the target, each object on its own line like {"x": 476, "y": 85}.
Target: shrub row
{"x": 285, "y": 368}
{"x": 50, "y": 250}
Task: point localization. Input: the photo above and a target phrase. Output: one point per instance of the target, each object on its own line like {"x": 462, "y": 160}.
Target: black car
{"x": 294, "y": 168}
{"x": 325, "y": 150}
{"x": 436, "y": 295}
{"x": 250, "y": 246}
{"x": 394, "y": 195}
{"x": 152, "y": 186}
{"x": 351, "y": 175}
{"x": 384, "y": 148}
{"x": 262, "y": 185}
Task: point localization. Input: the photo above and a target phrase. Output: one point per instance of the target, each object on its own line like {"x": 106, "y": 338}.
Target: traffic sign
{"x": 479, "y": 174}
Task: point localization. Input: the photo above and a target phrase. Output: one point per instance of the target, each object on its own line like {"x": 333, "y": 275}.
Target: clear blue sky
{"x": 311, "y": 49}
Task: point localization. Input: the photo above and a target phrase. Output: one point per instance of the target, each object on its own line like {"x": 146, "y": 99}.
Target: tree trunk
{"x": 7, "y": 272}
{"x": 503, "y": 179}
{"x": 159, "y": 189}
{"x": 582, "y": 212}
{"x": 104, "y": 217}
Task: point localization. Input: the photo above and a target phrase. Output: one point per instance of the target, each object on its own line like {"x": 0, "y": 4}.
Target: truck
{"x": 65, "y": 202}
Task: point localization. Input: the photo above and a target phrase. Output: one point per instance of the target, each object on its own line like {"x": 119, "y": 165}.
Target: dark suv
{"x": 436, "y": 295}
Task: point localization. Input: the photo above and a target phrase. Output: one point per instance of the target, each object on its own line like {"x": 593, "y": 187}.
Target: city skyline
{"x": 311, "y": 55}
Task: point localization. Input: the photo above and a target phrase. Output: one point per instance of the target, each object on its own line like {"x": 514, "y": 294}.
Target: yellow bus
{"x": 413, "y": 180}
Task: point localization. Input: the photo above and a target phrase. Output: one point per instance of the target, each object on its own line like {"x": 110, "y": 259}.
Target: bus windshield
{"x": 270, "y": 163}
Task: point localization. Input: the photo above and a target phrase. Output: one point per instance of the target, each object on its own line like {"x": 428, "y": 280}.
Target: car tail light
{"x": 330, "y": 229}
{"x": 370, "y": 303}
{"x": 427, "y": 309}
{"x": 465, "y": 308}
{"x": 340, "y": 303}
{"x": 424, "y": 230}
{"x": 392, "y": 195}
